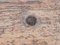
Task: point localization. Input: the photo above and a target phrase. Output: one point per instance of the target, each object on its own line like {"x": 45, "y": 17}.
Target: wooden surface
{"x": 15, "y": 31}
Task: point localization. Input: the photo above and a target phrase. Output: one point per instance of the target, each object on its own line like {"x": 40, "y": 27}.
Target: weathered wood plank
{"x": 14, "y": 29}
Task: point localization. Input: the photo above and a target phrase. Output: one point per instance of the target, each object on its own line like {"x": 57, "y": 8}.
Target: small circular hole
{"x": 31, "y": 20}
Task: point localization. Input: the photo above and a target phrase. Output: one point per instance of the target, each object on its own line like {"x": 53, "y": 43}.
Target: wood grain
{"x": 15, "y": 31}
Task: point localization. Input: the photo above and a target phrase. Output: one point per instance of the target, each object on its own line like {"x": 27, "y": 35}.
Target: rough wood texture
{"x": 15, "y": 31}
